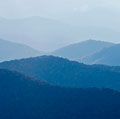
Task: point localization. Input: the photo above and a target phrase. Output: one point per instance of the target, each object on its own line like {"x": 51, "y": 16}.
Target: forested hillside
{"x": 65, "y": 73}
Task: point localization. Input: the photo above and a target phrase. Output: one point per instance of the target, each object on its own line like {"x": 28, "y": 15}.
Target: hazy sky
{"x": 78, "y": 11}
{"x": 54, "y": 8}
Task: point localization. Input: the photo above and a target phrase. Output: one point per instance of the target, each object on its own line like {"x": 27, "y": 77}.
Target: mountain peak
{"x": 62, "y": 72}
{"x": 81, "y": 49}
{"x": 11, "y": 50}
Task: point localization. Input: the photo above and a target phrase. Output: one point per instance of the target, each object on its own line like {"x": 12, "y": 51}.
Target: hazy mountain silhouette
{"x": 10, "y": 50}
{"x": 49, "y": 34}
{"x": 107, "y": 56}
{"x": 24, "y": 98}
{"x": 78, "y": 50}
{"x": 62, "y": 72}
{"x": 37, "y": 31}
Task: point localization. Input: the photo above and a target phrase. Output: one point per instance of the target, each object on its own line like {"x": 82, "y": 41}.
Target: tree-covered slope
{"x": 24, "y": 98}
{"x": 62, "y": 72}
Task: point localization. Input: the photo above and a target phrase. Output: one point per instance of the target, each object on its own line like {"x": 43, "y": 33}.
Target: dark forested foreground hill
{"x": 62, "y": 72}
{"x": 24, "y": 98}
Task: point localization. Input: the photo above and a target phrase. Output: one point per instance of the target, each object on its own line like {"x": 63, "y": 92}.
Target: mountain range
{"x": 38, "y": 32}
{"x": 88, "y": 52}
{"x": 25, "y": 98}
{"x": 59, "y": 59}
{"x": 42, "y": 33}
{"x": 10, "y": 51}
{"x": 91, "y": 52}
{"x": 81, "y": 49}
{"x": 107, "y": 56}
{"x": 65, "y": 73}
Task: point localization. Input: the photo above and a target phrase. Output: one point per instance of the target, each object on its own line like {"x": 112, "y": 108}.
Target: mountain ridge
{"x": 23, "y": 98}
{"x": 44, "y": 32}
{"x": 81, "y": 49}
{"x": 11, "y": 50}
{"x": 66, "y": 73}
{"x": 107, "y": 56}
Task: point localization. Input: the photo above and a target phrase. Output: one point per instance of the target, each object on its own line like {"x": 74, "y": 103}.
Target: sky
{"x": 104, "y": 14}
{"x": 54, "y": 8}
